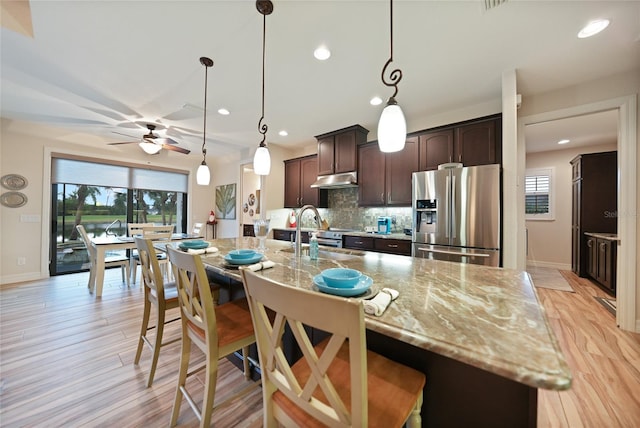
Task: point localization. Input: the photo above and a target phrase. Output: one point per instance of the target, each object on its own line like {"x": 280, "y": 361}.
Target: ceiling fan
{"x": 152, "y": 143}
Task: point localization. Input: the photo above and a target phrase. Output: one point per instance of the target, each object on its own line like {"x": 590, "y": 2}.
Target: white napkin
{"x": 202, "y": 250}
{"x": 259, "y": 266}
{"x": 378, "y": 304}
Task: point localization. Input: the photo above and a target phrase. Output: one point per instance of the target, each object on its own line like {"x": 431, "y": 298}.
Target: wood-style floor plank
{"x": 66, "y": 359}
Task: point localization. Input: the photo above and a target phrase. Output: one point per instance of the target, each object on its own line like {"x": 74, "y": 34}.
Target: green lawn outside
{"x": 105, "y": 219}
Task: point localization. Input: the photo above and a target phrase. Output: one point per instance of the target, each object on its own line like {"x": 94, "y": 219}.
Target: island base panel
{"x": 459, "y": 395}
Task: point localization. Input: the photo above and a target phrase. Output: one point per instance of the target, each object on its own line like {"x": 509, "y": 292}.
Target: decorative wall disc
{"x": 14, "y": 182}
{"x": 13, "y": 199}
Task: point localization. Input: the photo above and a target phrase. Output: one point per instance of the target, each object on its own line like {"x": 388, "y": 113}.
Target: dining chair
{"x": 336, "y": 383}
{"x": 109, "y": 261}
{"x": 217, "y": 330}
{"x": 149, "y": 231}
{"x": 160, "y": 296}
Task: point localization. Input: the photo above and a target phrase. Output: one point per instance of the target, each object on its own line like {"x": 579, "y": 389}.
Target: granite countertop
{"x": 489, "y": 318}
{"x": 607, "y": 236}
{"x": 399, "y": 235}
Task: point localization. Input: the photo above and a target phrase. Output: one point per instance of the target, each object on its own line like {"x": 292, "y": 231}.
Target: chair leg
{"x": 128, "y": 268}
{"x": 209, "y": 392}
{"x": 245, "y": 363}
{"x": 157, "y": 345}
{"x": 143, "y": 329}
{"x": 92, "y": 279}
{"x": 415, "y": 419}
{"x": 182, "y": 378}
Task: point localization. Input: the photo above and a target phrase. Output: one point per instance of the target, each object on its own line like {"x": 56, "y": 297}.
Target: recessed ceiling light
{"x": 375, "y": 101}
{"x": 565, "y": 141}
{"x": 283, "y": 133}
{"x": 593, "y": 28}
{"x": 322, "y": 53}
{"x": 223, "y": 111}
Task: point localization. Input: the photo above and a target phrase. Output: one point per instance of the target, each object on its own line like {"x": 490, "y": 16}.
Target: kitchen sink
{"x": 334, "y": 253}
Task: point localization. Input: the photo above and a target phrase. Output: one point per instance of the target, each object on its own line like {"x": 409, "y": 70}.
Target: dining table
{"x": 479, "y": 333}
{"x": 103, "y": 244}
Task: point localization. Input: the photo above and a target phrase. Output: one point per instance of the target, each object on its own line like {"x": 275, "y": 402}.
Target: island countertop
{"x": 488, "y": 318}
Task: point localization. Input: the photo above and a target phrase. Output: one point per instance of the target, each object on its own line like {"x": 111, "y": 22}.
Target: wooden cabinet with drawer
{"x": 393, "y": 246}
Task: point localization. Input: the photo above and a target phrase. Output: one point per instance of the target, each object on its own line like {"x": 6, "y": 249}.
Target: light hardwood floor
{"x": 66, "y": 359}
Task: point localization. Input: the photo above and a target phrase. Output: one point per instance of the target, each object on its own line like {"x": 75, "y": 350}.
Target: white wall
{"x": 549, "y": 241}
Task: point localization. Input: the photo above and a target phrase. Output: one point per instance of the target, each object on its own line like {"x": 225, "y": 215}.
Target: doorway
{"x": 627, "y": 193}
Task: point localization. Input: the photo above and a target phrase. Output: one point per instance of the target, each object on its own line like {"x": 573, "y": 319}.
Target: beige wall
{"x": 549, "y": 241}
{"x": 25, "y": 149}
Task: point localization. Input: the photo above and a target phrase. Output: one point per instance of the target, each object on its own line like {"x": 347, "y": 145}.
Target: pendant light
{"x": 392, "y": 127}
{"x": 203, "y": 176}
{"x": 262, "y": 159}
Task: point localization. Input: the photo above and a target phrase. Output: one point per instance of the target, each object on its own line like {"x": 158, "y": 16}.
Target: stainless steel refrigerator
{"x": 456, "y": 214}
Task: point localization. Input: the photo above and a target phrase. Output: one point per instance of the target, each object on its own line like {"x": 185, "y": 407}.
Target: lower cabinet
{"x": 289, "y": 235}
{"x": 601, "y": 262}
{"x": 382, "y": 245}
{"x": 247, "y": 230}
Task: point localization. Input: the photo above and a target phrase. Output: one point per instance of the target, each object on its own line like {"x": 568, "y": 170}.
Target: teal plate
{"x": 240, "y": 262}
{"x": 193, "y": 245}
{"x": 361, "y": 287}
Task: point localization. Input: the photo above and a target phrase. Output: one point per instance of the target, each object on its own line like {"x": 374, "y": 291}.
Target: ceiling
{"x": 95, "y": 70}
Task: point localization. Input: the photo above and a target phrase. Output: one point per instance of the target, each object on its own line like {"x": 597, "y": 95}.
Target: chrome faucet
{"x": 298, "y": 222}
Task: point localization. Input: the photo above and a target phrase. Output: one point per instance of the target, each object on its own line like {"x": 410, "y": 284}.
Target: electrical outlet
{"x": 22, "y": 261}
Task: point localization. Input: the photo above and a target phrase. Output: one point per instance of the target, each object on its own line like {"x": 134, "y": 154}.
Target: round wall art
{"x": 14, "y": 182}
{"x": 13, "y": 199}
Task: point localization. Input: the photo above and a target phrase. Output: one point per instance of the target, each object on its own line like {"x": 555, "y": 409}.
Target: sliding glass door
{"x": 105, "y": 210}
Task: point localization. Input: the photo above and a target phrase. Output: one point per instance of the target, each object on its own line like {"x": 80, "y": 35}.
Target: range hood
{"x": 336, "y": 181}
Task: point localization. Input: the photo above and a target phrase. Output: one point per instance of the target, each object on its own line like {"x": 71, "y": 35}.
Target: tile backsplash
{"x": 344, "y": 213}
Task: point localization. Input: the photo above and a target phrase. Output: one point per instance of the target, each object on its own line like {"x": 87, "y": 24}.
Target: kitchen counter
{"x": 488, "y": 321}
{"x": 607, "y": 236}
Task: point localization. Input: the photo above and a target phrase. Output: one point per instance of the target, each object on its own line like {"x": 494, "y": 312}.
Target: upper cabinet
{"x": 385, "y": 178}
{"x": 473, "y": 143}
{"x": 299, "y": 175}
{"x": 338, "y": 150}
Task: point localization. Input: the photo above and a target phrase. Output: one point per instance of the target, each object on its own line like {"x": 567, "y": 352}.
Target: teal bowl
{"x": 341, "y": 277}
{"x": 242, "y": 254}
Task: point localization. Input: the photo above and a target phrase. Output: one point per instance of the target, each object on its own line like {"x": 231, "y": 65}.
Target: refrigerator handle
{"x": 446, "y": 206}
{"x": 453, "y": 206}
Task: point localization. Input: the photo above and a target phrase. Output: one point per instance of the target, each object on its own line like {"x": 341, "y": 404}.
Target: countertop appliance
{"x": 456, "y": 214}
{"x": 384, "y": 225}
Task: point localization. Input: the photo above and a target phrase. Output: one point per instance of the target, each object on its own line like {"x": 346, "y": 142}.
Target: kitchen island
{"x": 479, "y": 333}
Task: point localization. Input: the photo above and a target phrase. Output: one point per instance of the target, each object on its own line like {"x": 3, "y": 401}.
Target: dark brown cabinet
{"x": 385, "y": 178}
{"x": 601, "y": 261}
{"x": 472, "y": 143}
{"x": 247, "y": 230}
{"x": 299, "y": 175}
{"x": 393, "y": 246}
{"x": 289, "y": 235}
{"x": 381, "y": 245}
{"x": 436, "y": 148}
{"x": 338, "y": 150}
{"x": 594, "y": 203}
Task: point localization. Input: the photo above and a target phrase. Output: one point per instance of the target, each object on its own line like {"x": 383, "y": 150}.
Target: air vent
{"x": 490, "y": 4}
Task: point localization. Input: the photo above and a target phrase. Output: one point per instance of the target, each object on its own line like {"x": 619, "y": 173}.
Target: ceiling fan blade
{"x": 160, "y": 140}
{"x": 122, "y": 142}
{"x": 176, "y": 149}
{"x": 126, "y": 135}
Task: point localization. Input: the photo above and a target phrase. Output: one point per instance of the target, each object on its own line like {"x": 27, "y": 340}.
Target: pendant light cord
{"x": 262, "y": 127}
{"x": 396, "y": 75}
{"x": 204, "y": 131}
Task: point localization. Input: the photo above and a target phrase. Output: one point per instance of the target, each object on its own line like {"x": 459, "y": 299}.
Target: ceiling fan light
{"x": 392, "y": 128}
{"x": 203, "y": 175}
{"x": 262, "y": 161}
{"x": 150, "y": 148}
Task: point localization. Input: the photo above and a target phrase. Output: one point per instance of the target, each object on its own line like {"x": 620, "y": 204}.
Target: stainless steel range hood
{"x": 337, "y": 181}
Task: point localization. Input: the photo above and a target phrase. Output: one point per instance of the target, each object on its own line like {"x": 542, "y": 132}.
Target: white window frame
{"x": 549, "y": 172}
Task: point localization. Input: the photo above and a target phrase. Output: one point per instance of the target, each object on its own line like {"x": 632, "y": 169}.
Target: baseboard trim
{"x": 551, "y": 265}
{"x": 23, "y": 277}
